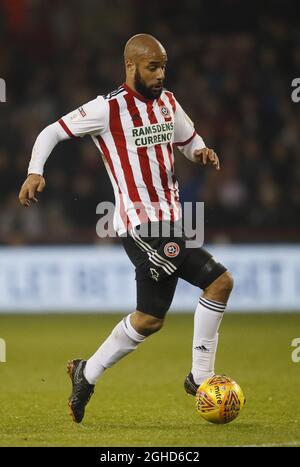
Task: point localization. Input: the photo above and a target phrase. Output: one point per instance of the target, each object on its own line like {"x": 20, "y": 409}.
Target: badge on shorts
{"x": 171, "y": 249}
{"x": 154, "y": 274}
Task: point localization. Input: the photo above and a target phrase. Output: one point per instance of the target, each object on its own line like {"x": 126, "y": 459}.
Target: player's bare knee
{"x": 154, "y": 325}
{"x": 226, "y": 281}
{"x": 147, "y": 324}
{"x": 223, "y": 284}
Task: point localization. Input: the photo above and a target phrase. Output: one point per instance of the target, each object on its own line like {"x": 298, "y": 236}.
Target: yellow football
{"x": 219, "y": 399}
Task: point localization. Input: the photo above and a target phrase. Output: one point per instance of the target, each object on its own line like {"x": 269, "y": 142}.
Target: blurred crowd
{"x": 233, "y": 77}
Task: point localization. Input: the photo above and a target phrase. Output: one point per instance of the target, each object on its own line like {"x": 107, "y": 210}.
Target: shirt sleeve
{"x": 43, "y": 146}
{"x": 89, "y": 119}
{"x": 185, "y": 136}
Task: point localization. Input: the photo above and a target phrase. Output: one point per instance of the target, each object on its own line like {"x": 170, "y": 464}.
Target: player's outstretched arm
{"x": 33, "y": 184}
{"x": 90, "y": 119}
{"x": 42, "y": 148}
{"x": 206, "y": 156}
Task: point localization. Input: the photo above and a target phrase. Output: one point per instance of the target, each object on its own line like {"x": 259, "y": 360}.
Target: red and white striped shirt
{"x": 135, "y": 137}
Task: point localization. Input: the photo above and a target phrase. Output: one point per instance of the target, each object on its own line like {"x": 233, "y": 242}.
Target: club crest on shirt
{"x": 171, "y": 249}
{"x": 164, "y": 111}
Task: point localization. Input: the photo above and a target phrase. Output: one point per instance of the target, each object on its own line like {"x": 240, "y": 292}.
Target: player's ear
{"x": 130, "y": 67}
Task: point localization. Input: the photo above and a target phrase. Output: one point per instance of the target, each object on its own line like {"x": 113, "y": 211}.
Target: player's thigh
{"x": 155, "y": 298}
{"x": 200, "y": 268}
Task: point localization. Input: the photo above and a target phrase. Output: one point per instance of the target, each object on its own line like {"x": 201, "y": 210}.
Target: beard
{"x": 143, "y": 89}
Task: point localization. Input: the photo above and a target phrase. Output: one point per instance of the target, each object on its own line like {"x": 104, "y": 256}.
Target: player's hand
{"x": 207, "y": 156}
{"x": 34, "y": 183}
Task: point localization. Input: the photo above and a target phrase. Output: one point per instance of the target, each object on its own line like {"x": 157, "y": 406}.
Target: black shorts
{"x": 159, "y": 261}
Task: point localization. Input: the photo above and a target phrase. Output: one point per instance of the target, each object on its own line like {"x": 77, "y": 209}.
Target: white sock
{"x": 122, "y": 340}
{"x": 207, "y": 319}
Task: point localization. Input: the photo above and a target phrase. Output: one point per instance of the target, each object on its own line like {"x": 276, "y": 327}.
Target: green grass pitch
{"x": 141, "y": 401}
